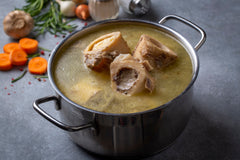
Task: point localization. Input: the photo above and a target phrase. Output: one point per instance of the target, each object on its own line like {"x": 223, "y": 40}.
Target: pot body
{"x": 135, "y": 134}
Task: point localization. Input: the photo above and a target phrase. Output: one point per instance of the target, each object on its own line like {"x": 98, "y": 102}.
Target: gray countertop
{"x": 214, "y": 127}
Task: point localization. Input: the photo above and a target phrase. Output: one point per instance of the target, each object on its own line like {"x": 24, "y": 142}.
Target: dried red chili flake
{"x": 20, "y": 69}
{"x": 63, "y": 36}
{"x": 14, "y": 92}
{"x": 42, "y": 52}
{"x": 39, "y": 79}
{"x": 11, "y": 85}
{"x": 5, "y": 87}
{"x": 29, "y": 83}
{"x": 12, "y": 79}
{"x": 55, "y": 36}
{"x": 57, "y": 43}
{"x": 44, "y": 80}
{"x": 85, "y": 24}
{"x": 9, "y": 94}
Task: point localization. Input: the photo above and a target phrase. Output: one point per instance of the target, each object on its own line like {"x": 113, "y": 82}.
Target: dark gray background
{"x": 213, "y": 131}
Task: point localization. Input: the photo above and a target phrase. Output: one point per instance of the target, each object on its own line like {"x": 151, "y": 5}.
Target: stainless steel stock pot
{"x": 134, "y": 134}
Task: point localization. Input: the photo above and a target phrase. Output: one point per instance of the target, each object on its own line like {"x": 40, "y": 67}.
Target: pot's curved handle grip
{"x": 53, "y": 120}
{"x": 191, "y": 24}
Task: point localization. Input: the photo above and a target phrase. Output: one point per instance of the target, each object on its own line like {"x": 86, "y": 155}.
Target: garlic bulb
{"x": 18, "y": 24}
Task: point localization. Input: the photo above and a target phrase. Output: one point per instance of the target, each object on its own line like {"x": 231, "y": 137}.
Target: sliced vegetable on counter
{"x": 18, "y": 24}
{"x": 7, "y": 48}
{"x": 18, "y": 57}
{"x": 5, "y": 63}
{"x": 82, "y": 11}
{"x": 37, "y": 65}
{"x": 29, "y": 45}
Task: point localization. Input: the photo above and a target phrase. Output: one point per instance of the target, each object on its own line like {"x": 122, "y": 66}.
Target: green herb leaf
{"x": 47, "y": 17}
{"x": 36, "y": 77}
{"x": 44, "y": 49}
{"x": 33, "y": 55}
{"x": 21, "y": 76}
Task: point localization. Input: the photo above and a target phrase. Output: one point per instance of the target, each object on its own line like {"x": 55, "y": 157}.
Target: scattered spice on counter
{"x": 9, "y": 94}
{"x": 42, "y": 52}
{"x": 29, "y": 83}
{"x": 85, "y": 24}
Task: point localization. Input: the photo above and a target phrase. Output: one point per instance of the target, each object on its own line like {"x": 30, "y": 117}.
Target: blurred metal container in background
{"x": 103, "y": 9}
{"x": 136, "y": 7}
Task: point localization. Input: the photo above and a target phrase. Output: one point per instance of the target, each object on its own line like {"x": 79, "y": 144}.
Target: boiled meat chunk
{"x": 129, "y": 76}
{"x": 151, "y": 51}
{"x": 102, "y": 51}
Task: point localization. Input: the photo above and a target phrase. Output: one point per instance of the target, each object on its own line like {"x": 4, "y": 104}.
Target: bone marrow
{"x": 102, "y": 51}
{"x": 154, "y": 52}
{"x": 129, "y": 76}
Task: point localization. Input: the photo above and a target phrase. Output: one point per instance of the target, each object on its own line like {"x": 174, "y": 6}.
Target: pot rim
{"x": 191, "y": 51}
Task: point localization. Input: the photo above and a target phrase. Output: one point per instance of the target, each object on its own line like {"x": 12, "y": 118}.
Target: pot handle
{"x": 53, "y": 120}
{"x": 191, "y": 24}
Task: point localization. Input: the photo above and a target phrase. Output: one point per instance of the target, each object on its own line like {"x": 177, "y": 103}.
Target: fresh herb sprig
{"x": 33, "y": 55}
{"x": 41, "y": 76}
{"x": 21, "y": 76}
{"x": 47, "y": 17}
{"x": 34, "y": 7}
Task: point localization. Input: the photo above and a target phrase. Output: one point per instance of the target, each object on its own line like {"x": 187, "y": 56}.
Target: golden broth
{"x": 78, "y": 83}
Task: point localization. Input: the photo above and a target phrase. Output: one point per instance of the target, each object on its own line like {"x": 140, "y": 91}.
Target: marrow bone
{"x": 151, "y": 51}
{"x": 129, "y": 76}
{"x": 102, "y": 51}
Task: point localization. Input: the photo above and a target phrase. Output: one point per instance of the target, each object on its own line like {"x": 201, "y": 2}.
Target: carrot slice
{"x": 5, "y": 63}
{"x": 18, "y": 57}
{"x": 7, "y": 48}
{"x": 37, "y": 65}
{"x": 28, "y": 45}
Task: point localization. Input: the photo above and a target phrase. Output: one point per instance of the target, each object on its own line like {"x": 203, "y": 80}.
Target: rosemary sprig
{"x": 33, "y": 55}
{"x": 49, "y": 21}
{"x": 44, "y": 49}
{"x": 21, "y": 76}
{"x": 36, "y": 77}
{"x": 34, "y": 7}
